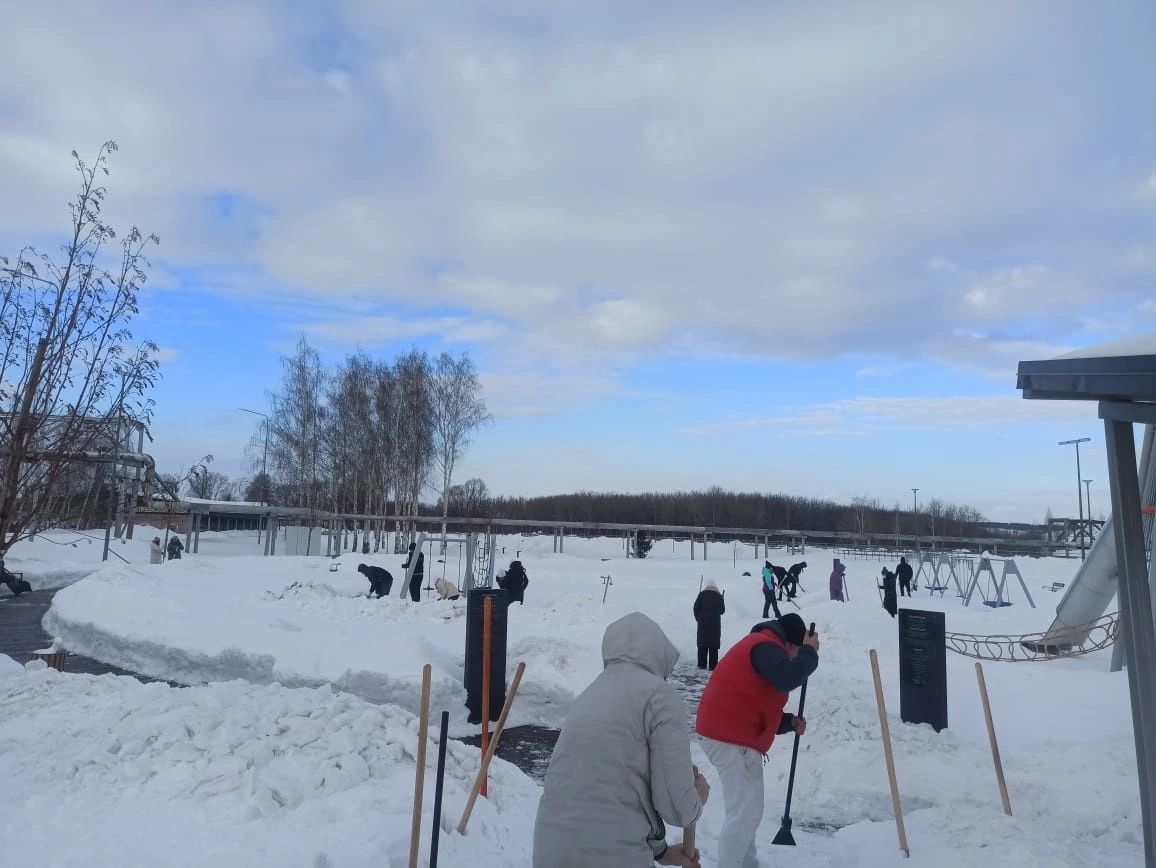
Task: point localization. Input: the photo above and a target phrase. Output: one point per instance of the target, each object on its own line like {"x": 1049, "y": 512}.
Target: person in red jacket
{"x": 740, "y": 714}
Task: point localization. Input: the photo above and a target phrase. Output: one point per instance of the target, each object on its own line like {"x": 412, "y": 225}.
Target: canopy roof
{"x": 1123, "y": 370}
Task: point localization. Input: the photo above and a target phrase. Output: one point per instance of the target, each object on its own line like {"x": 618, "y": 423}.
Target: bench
{"x": 15, "y": 582}
{"x": 1054, "y": 586}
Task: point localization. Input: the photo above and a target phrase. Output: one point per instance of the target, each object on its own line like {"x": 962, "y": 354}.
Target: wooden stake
{"x": 419, "y": 774}
{"x": 484, "y": 769}
{"x": 995, "y": 758}
{"x": 487, "y": 638}
{"x": 895, "y": 804}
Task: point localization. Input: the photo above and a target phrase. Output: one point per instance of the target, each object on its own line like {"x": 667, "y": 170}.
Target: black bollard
{"x": 438, "y": 782}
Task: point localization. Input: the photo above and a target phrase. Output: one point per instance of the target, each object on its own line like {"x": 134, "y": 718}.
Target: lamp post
{"x": 1079, "y": 490}
{"x": 915, "y": 514}
{"x": 1088, "y": 500}
{"x": 264, "y": 459}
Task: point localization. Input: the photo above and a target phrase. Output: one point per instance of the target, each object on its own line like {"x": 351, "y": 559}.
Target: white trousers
{"x": 740, "y": 770}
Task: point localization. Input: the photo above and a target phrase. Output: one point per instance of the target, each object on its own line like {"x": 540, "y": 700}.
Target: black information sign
{"x": 922, "y": 668}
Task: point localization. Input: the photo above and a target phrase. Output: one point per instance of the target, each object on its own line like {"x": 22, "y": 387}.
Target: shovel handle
{"x": 688, "y": 845}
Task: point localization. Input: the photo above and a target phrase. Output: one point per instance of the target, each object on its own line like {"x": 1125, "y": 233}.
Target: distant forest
{"x": 718, "y": 508}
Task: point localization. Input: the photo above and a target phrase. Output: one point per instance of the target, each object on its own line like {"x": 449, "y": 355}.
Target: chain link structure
{"x": 1036, "y": 646}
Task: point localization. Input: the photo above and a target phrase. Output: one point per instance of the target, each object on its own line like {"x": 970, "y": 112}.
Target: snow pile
{"x": 109, "y": 771}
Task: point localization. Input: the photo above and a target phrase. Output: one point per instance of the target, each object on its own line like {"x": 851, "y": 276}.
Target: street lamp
{"x": 1088, "y": 500}
{"x": 915, "y": 514}
{"x": 264, "y": 458}
{"x": 1079, "y": 491}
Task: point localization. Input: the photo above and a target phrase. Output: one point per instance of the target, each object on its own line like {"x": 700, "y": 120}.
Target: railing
{"x": 1029, "y": 647}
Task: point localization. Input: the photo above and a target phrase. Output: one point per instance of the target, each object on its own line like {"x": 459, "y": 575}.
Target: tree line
{"x": 365, "y": 437}
{"x": 716, "y": 507}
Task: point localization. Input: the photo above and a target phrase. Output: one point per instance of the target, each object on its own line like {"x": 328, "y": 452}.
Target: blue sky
{"x": 768, "y": 246}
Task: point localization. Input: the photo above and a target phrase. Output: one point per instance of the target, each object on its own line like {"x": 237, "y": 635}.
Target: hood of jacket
{"x": 636, "y": 639}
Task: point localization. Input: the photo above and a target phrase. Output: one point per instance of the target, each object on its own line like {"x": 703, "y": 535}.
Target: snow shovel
{"x": 784, "y": 837}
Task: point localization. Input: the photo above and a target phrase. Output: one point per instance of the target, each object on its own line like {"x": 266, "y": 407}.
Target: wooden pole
{"x": 419, "y": 773}
{"x": 488, "y": 754}
{"x": 487, "y": 638}
{"x": 688, "y": 844}
{"x": 895, "y": 804}
{"x": 995, "y": 758}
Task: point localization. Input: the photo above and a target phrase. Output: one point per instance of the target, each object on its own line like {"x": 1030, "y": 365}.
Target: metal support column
{"x": 197, "y": 535}
{"x": 1136, "y": 606}
{"x": 189, "y": 531}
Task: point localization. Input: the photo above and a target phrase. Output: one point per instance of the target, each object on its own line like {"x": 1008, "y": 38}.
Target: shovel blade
{"x": 784, "y": 837}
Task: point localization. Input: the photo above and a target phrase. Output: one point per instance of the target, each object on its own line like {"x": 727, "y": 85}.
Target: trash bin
{"x": 475, "y": 612}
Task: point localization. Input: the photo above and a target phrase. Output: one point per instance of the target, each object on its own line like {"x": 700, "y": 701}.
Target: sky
{"x": 763, "y": 245}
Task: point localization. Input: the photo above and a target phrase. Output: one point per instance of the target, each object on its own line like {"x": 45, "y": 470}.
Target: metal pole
{"x": 1079, "y": 490}
{"x": 264, "y": 460}
{"x": 1080, "y": 498}
{"x": 915, "y": 515}
{"x": 1136, "y": 605}
{"x": 1088, "y": 500}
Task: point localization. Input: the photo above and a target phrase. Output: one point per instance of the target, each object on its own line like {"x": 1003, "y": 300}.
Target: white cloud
{"x": 875, "y": 414}
{"x": 371, "y": 331}
{"x": 801, "y": 181}
{"x": 1147, "y": 188}
{"x": 164, "y": 355}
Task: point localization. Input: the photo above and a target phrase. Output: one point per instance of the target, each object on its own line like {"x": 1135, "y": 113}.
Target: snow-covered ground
{"x": 1064, "y": 726}
{"x": 111, "y": 772}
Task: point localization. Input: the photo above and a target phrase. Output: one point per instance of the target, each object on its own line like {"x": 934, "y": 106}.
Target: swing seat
{"x": 996, "y": 604}
{"x": 936, "y": 589}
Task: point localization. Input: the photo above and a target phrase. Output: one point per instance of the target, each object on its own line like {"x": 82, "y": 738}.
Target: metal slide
{"x": 1094, "y": 587}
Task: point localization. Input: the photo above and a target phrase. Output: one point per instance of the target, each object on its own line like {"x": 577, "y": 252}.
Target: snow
{"x": 1135, "y": 345}
{"x": 296, "y": 632}
{"x": 106, "y": 771}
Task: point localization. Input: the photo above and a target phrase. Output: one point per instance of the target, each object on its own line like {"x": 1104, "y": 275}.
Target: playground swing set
{"x": 968, "y": 575}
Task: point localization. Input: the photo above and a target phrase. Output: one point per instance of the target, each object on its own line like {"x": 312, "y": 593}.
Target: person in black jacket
{"x": 890, "y": 602}
{"x": 709, "y": 607}
{"x": 514, "y": 583}
{"x": 904, "y": 573}
{"x": 380, "y": 579}
{"x": 418, "y": 572}
{"x": 793, "y": 575}
{"x": 175, "y": 548}
{"x": 780, "y": 578}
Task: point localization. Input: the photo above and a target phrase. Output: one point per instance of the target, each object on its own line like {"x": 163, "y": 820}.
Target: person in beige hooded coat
{"x": 622, "y": 766}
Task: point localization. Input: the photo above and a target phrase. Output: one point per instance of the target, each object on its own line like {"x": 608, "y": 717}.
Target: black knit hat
{"x": 793, "y": 627}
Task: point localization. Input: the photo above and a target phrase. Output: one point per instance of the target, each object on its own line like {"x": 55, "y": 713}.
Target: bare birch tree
{"x": 295, "y": 427}
{"x": 71, "y": 377}
{"x": 458, "y": 411}
{"x": 414, "y": 414}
